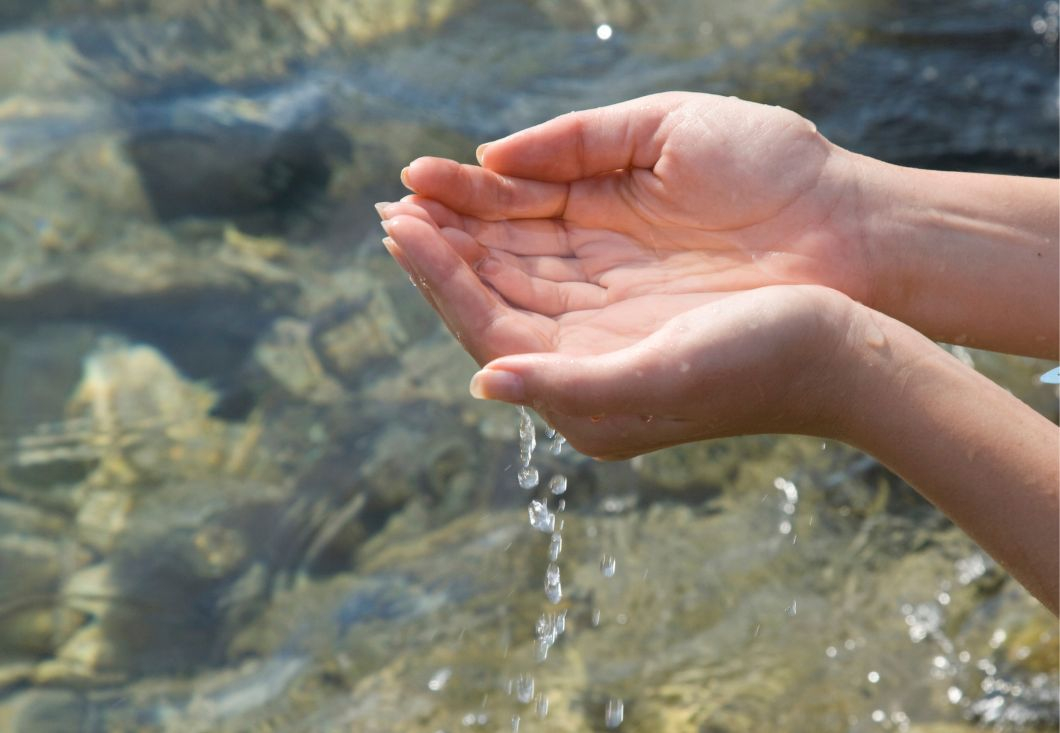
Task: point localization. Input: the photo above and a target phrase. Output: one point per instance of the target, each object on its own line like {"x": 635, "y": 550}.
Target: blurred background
{"x": 243, "y": 486}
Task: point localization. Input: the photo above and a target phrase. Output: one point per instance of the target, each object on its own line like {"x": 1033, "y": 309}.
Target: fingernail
{"x": 405, "y": 178}
{"x": 387, "y": 226}
{"x": 382, "y": 205}
{"x": 496, "y": 384}
{"x": 480, "y": 151}
{"x": 396, "y": 253}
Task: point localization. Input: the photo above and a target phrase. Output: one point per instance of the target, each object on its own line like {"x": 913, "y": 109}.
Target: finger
{"x": 469, "y": 189}
{"x": 534, "y": 237}
{"x": 579, "y": 386}
{"x": 443, "y": 216}
{"x": 485, "y": 325}
{"x": 465, "y": 245}
{"x": 547, "y": 297}
{"x": 399, "y": 256}
{"x": 583, "y": 144}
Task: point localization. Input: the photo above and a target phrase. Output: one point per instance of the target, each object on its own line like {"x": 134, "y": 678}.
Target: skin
{"x": 684, "y": 267}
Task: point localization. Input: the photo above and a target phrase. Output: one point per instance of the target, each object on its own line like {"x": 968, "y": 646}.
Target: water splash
{"x": 614, "y": 712}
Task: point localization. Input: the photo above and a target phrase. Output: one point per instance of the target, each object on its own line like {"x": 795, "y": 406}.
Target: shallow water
{"x": 243, "y": 488}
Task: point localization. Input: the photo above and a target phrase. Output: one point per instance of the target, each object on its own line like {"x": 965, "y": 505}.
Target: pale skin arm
{"x": 670, "y": 270}
{"x": 965, "y": 258}
{"x": 989, "y": 462}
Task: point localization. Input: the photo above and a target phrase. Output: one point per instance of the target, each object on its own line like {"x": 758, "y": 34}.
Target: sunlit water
{"x": 243, "y": 488}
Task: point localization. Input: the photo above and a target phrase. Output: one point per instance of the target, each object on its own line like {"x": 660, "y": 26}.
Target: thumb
{"x": 583, "y": 144}
{"x": 568, "y": 385}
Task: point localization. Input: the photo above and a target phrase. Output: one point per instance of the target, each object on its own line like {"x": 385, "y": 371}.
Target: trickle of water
{"x": 527, "y": 436}
{"x": 614, "y": 712}
{"x": 541, "y": 518}
{"x": 555, "y": 546}
{"x": 607, "y": 566}
{"x": 557, "y": 484}
{"x": 528, "y": 477}
{"x": 524, "y": 688}
{"x": 515, "y": 724}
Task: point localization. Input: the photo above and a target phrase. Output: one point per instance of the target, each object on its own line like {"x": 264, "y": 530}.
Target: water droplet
{"x": 560, "y": 506}
{"x": 607, "y": 566}
{"x": 791, "y": 492}
{"x": 604, "y": 32}
{"x": 550, "y": 432}
{"x": 553, "y": 587}
{"x": 439, "y": 679}
{"x": 541, "y": 518}
{"x": 524, "y": 688}
{"x": 557, "y": 445}
{"x": 528, "y": 477}
{"x": 552, "y": 573}
{"x": 954, "y": 695}
{"x": 793, "y": 608}
{"x": 515, "y": 724}
{"x": 614, "y": 712}
{"x": 831, "y": 652}
{"x": 873, "y": 677}
{"x": 595, "y": 617}
{"x": 557, "y": 484}
{"x": 555, "y": 546}
{"x": 878, "y": 716}
{"x": 542, "y": 707}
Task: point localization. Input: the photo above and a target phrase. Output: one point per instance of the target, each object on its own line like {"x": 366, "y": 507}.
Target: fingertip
{"x": 497, "y": 384}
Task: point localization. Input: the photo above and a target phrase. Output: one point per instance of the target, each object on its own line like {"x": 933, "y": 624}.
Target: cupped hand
{"x": 647, "y": 262}
{"x": 724, "y": 194}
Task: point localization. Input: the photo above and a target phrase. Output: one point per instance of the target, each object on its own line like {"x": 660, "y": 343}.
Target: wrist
{"x": 872, "y": 352}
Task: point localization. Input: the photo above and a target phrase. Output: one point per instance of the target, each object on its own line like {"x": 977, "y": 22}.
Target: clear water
{"x": 243, "y": 487}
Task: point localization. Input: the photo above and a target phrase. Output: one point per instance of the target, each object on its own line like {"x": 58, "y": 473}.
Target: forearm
{"x": 989, "y": 462}
{"x": 964, "y": 258}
